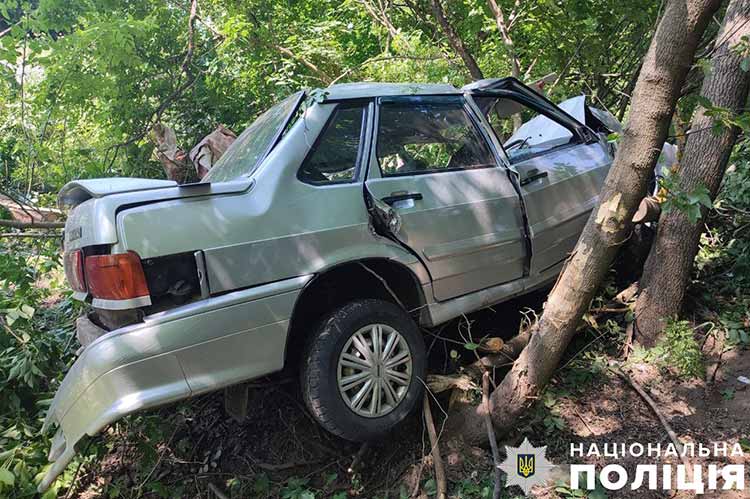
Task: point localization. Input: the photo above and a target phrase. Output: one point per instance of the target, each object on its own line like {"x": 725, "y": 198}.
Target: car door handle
{"x": 534, "y": 175}
{"x": 401, "y": 196}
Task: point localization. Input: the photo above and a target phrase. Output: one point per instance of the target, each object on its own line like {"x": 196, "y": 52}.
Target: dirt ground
{"x": 280, "y": 443}
{"x": 612, "y": 412}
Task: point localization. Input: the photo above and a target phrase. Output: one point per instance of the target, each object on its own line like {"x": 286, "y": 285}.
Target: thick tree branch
{"x": 455, "y": 41}
{"x": 510, "y": 48}
{"x": 31, "y": 225}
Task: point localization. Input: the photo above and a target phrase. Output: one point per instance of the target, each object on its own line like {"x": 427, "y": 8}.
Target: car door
{"x": 458, "y": 210}
{"x": 561, "y": 167}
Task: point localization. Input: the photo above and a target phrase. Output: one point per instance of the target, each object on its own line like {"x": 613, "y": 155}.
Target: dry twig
{"x": 645, "y": 396}
{"x": 437, "y": 461}
{"x": 358, "y": 457}
{"x": 217, "y": 492}
{"x": 491, "y": 433}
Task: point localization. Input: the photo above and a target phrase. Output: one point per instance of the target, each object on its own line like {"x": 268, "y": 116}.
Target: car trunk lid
{"x": 77, "y": 191}
{"x": 94, "y": 204}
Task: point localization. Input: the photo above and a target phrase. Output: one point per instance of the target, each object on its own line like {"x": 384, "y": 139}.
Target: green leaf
{"x": 51, "y": 493}
{"x": 7, "y": 477}
{"x": 28, "y": 311}
{"x": 430, "y": 487}
{"x": 471, "y": 346}
{"x": 693, "y": 213}
{"x": 745, "y": 64}
{"x": 703, "y": 101}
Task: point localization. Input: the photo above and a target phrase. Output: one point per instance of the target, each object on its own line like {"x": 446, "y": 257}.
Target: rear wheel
{"x": 363, "y": 369}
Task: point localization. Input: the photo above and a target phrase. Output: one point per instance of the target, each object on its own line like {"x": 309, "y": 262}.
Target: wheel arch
{"x": 373, "y": 277}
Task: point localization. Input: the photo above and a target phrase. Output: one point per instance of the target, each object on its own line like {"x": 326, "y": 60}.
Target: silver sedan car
{"x": 334, "y": 227}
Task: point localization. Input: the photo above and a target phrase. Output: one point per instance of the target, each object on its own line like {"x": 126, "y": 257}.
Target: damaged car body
{"x": 331, "y": 229}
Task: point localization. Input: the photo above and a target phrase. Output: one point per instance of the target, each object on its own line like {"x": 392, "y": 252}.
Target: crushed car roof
{"x": 378, "y": 89}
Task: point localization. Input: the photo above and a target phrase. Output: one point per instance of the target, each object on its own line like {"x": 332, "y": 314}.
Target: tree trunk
{"x": 455, "y": 40}
{"x": 515, "y": 64}
{"x": 704, "y": 160}
{"x": 664, "y": 69}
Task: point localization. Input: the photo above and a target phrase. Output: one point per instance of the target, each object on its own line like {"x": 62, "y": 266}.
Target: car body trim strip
{"x": 471, "y": 245}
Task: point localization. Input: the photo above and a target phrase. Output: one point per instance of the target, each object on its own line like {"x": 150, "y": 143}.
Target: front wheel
{"x": 363, "y": 369}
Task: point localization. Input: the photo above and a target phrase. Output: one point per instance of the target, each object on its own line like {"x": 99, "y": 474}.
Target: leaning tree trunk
{"x": 670, "y": 261}
{"x": 664, "y": 68}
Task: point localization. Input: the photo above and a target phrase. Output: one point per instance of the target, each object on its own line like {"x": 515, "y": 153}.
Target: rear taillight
{"x": 115, "y": 277}
{"x": 73, "y": 263}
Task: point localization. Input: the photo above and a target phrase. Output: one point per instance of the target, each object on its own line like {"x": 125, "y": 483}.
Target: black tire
{"x": 319, "y": 382}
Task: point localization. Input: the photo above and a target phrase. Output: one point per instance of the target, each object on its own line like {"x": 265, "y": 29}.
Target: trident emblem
{"x": 525, "y": 465}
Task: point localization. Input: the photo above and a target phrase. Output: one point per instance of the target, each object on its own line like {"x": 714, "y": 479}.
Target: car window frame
{"x": 465, "y": 106}
{"x": 562, "y": 119}
{"x": 364, "y": 105}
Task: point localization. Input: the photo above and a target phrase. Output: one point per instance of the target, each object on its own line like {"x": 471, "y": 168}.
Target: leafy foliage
{"x": 83, "y": 82}
{"x": 35, "y": 348}
{"x": 677, "y": 199}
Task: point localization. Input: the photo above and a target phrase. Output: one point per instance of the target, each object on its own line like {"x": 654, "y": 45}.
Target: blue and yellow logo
{"x": 526, "y": 465}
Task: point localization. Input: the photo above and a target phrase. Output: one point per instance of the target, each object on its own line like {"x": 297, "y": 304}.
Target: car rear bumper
{"x": 192, "y": 349}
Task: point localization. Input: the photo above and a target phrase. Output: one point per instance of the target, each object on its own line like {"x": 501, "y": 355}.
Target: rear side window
{"x": 335, "y": 155}
{"x": 427, "y": 137}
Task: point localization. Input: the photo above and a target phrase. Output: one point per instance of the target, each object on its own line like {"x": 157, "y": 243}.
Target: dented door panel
{"x": 558, "y": 204}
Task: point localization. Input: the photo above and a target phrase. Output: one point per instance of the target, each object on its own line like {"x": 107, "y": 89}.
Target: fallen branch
{"x": 437, "y": 461}
{"x": 645, "y": 396}
{"x": 283, "y": 466}
{"x": 648, "y": 211}
{"x": 509, "y": 352}
{"x": 29, "y": 234}
{"x": 438, "y": 383}
{"x": 491, "y": 433}
{"x": 418, "y": 478}
{"x": 31, "y": 225}
{"x": 491, "y": 345}
{"x": 358, "y": 457}
{"x": 217, "y": 492}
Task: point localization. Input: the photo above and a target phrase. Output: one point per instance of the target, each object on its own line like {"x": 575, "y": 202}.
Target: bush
{"x": 680, "y": 350}
{"x": 35, "y": 348}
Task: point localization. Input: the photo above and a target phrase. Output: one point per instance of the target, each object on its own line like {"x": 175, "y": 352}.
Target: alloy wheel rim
{"x": 374, "y": 370}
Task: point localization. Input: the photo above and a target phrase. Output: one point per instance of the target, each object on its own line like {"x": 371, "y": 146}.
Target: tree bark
{"x": 455, "y": 41}
{"x": 664, "y": 69}
{"x": 173, "y": 159}
{"x": 704, "y": 160}
{"x": 510, "y": 48}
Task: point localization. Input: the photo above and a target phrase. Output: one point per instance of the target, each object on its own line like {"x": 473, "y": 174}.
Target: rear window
{"x": 254, "y": 144}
